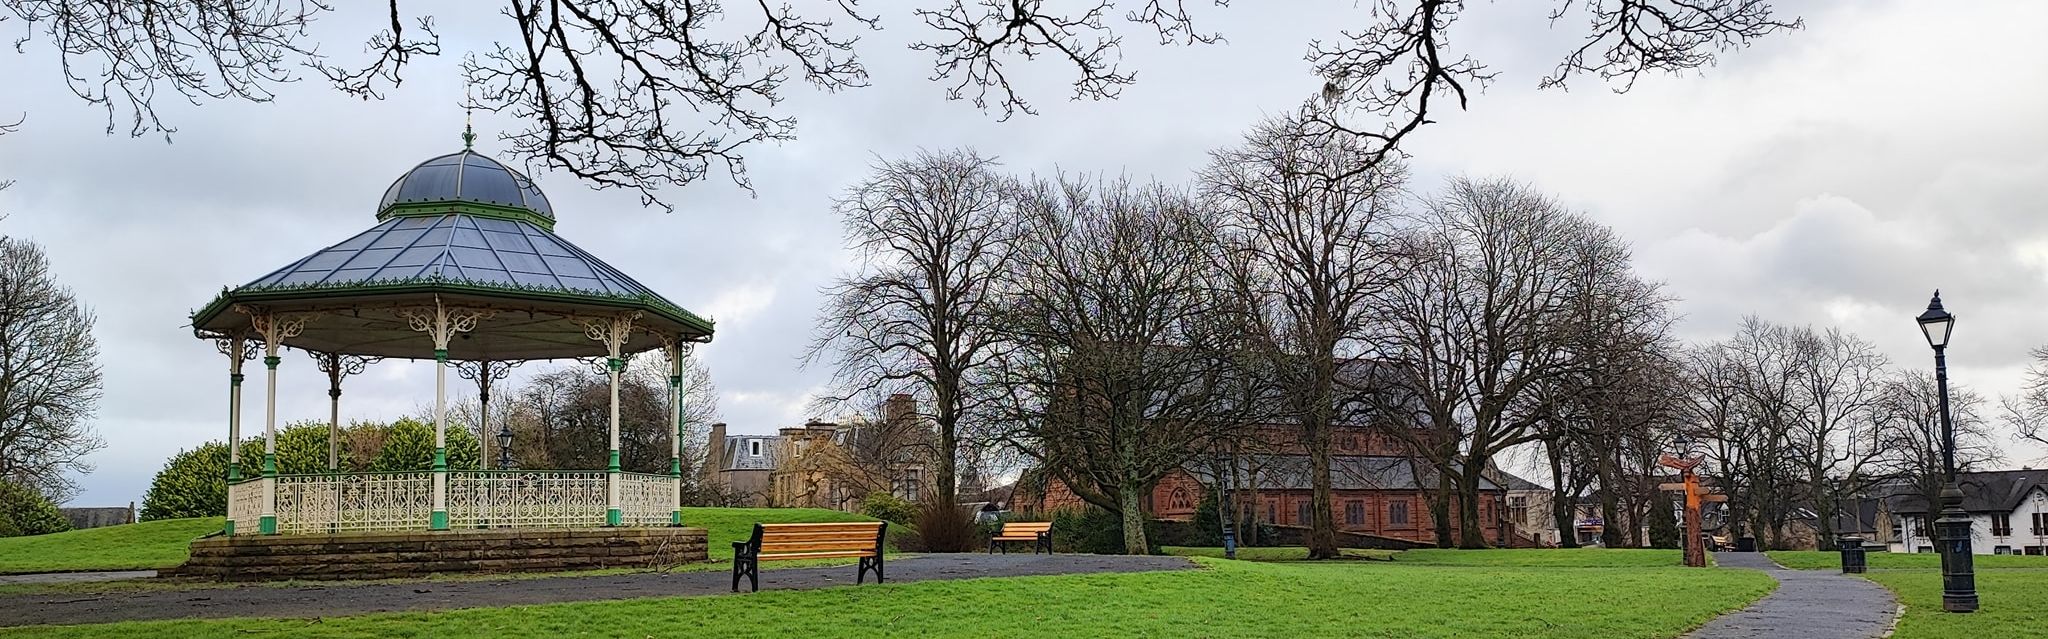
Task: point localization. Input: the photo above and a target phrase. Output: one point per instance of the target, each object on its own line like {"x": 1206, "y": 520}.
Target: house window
{"x": 912, "y": 479}
{"x": 1354, "y": 513}
{"x": 754, "y": 447}
{"x": 2001, "y": 550}
{"x": 2001, "y": 525}
{"x": 1180, "y": 500}
{"x": 1397, "y": 513}
{"x": 2036, "y": 550}
{"x": 2040, "y": 524}
{"x": 1518, "y": 508}
{"x": 1302, "y": 513}
{"x": 1272, "y": 511}
{"x": 1926, "y": 550}
{"x": 1921, "y": 527}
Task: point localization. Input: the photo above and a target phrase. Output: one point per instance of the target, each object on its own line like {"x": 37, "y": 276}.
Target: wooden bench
{"x": 1039, "y": 533}
{"x": 775, "y": 542}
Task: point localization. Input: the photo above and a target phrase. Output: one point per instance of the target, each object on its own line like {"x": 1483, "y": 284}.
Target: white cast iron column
{"x": 237, "y": 350}
{"x": 274, "y": 330}
{"x": 613, "y": 332}
{"x": 441, "y": 323}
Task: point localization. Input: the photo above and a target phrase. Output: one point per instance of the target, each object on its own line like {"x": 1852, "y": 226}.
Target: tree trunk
{"x": 1440, "y": 510}
{"x": 1560, "y": 499}
{"x": 945, "y": 481}
{"x": 1471, "y": 529}
{"x": 1322, "y": 530}
{"x": 1131, "y": 500}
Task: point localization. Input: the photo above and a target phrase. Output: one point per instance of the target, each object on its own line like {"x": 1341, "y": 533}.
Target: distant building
{"x": 2008, "y": 514}
{"x": 742, "y": 464}
{"x": 826, "y": 464}
{"x": 1377, "y": 488}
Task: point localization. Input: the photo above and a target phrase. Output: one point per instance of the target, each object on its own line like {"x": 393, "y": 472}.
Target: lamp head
{"x": 1936, "y": 323}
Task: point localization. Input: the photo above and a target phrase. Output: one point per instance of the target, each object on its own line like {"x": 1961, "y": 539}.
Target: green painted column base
{"x": 230, "y": 530}
{"x": 438, "y": 520}
{"x": 267, "y": 525}
{"x": 675, "y": 518}
{"x": 612, "y": 517}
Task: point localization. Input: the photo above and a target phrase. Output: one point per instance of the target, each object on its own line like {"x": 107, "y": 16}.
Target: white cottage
{"x": 2008, "y": 511}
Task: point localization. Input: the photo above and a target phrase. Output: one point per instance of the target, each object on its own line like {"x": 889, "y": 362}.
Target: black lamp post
{"x": 504, "y": 438}
{"x": 1958, "y": 572}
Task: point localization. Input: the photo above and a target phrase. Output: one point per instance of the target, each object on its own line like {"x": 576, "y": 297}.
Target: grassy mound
{"x": 144, "y": 546}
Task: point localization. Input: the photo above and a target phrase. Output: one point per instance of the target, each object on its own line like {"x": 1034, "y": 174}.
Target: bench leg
{"x": 749, "y": 568}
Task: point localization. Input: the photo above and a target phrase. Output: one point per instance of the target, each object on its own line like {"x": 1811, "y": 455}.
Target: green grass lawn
{"x": 1546, "y": 557}
{"x": 143, "y": 546}
{"x": 727, "y": 525}
{"x": 1268, "y": 553}
{"x": 1828, "y": 560}
{"x": 1224, "y": 599}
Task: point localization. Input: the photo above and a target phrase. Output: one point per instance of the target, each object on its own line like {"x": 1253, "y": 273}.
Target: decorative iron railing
{"x": 526, "y": 499}
{"x": 245, "y": 504}
{"x": 327, "y": 503}
{"x": 646, "y": 500}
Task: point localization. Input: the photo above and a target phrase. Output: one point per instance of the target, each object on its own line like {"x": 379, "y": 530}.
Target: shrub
{"x": 944, "y": 527}
{"x": 1094, "y": 530}
{"x": 24, "y": 511}
{"x": 889, "y": 508}
{"x": 1208, "y": 525}
{"x": 409, "y": 445}
{"x": 193, "y": 483}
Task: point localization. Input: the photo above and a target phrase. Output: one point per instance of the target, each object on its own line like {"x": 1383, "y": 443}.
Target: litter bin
{"x": 1745, "y": 544}
{"x": 1853, "y": 560}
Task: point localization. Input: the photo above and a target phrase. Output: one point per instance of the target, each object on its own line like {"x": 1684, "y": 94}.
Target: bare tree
{"x": 1837, "y": 446}
{"x": 49, "y": 376}
{"x": 1479, "y": 327}
{"x": 1398, "y": 72}
{"x": 1307, "y": 254}
{"x": 936, "y": 234}
{"x": 1907, "y": 413}
{"x": 2027, "y": 412}
{"x": 1125, "y": 364}
{"x": 653, "y": 94}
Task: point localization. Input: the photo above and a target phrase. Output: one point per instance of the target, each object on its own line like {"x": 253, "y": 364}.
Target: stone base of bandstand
{"x": 390, "y": 555}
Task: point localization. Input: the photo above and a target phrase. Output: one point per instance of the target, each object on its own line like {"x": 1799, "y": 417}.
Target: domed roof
{"x": 465, "y": 176}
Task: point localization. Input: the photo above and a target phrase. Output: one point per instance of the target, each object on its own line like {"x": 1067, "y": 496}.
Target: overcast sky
{"x": 1832, "y": 176}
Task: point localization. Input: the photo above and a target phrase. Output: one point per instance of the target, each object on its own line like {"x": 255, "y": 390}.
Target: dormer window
{"x": 754, "y": 448}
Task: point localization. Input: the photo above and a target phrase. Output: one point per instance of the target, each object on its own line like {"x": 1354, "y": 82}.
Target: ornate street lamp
{"x": 1958, "y": 573}
{"x": 505, "y": 447}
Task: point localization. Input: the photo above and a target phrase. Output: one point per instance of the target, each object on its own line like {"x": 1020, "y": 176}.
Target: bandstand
{"x": 463, "y": 267}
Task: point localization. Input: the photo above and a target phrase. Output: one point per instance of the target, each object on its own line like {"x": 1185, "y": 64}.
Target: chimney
{"x": 899, "y": 407}
{"x": 714, "y": 449}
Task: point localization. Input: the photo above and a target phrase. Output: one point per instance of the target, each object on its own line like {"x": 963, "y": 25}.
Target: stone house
{"x": 741, "y": 464}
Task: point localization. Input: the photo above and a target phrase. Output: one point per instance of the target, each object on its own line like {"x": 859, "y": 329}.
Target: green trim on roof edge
{"x": 465, "y": 207}
{"x": 436, "y": 284}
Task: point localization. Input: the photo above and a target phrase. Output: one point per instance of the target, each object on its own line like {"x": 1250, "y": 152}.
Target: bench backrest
{"x": 1026, "y": 528}
{"x": 772, "y": 539}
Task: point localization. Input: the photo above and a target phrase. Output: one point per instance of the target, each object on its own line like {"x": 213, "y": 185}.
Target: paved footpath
{"x": 338, "y": 599}
{"x": 1809, "y": 604}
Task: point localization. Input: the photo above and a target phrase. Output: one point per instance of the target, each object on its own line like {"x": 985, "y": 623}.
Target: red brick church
{"x": 1378, "y": 486}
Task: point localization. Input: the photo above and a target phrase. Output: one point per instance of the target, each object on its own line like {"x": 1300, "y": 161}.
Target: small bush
{"x": 945, "y": 527}
{"x": 23, "y": 511}
{"x": 409, "y": 446}
{"x": 1095, "y": 531}
{"x": 193, "y": 483}
{"x": 889, "y": 508}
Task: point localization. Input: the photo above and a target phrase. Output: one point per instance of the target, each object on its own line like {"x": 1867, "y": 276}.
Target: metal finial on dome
{"x": 468, "y": 133}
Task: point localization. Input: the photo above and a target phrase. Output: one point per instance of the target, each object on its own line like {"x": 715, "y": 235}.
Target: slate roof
{"x": 736, "y": 457}
{"x": 459, "y": 248}
{"x": 1347, "y": 472}
{"x": 466, "y": 176}
{"x": 1996, "y": 491}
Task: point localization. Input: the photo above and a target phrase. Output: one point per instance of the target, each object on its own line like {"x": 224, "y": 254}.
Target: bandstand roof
{"x": 463, "y": 231}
